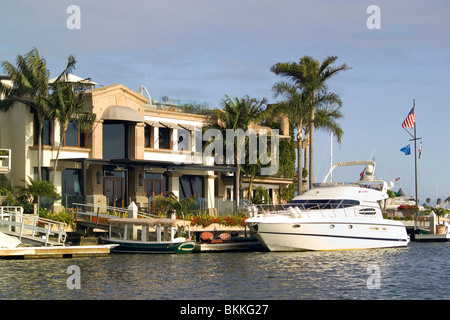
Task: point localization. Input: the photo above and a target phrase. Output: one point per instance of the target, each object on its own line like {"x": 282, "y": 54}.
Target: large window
{"x": 198, "y": 141}
{"x": 164, "y": 138}
{"x": 46, "y": 131}
{"x": 156, "y": 184}
{"x": 71, "y": 182}
{"x": 191, "y": 185}
{"x": 148, "y": 136}
{"x": 184, "y": 140}
{"x": 45, "y": 173}
{"x": 114, "y": 140}
{"x": 74, "y": 137}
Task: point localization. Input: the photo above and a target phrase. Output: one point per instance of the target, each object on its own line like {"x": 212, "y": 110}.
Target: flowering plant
{"x": 407, "y": 207}
{"x": 230, "y": 220}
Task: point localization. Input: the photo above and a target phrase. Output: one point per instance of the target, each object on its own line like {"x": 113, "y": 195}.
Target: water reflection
{"x": 255, "y": 275}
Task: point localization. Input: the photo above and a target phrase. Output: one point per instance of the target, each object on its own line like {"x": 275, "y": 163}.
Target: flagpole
{"x": 415, "y": 154}
{"x": 410, "y": 121}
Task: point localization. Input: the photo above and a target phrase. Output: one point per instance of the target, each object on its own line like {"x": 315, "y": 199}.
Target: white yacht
{"x": 331, "y": 216}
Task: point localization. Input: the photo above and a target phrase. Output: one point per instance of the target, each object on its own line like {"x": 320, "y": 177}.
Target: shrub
{"x": 65, "y": 216}
{"x": 206, "y": 220}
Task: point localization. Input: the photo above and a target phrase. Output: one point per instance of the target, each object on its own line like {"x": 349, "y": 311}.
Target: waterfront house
{"x": 138, "y": 148}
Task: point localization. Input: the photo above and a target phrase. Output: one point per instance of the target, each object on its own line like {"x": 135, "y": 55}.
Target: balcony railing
{"x": 5, "y": 160}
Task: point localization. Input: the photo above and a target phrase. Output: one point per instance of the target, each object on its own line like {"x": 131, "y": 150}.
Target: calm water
{"x": 417, "y": 272}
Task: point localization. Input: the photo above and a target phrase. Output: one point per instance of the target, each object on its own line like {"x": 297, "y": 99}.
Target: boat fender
{"x": 252, "y": 211}
{"x": 298, "y": 211}
{"x": 292, "y": 212}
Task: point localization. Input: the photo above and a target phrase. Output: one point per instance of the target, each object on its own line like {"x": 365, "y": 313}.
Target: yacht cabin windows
{"x": 324, "y": 204}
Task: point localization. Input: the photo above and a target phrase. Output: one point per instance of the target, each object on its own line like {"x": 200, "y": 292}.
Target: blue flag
{"x": 406, "y": 150}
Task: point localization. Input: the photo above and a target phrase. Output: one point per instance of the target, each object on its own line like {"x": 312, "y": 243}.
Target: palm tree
{"x": 325, "y": 118}
{"x": 31, "y": 87}
{"x": 34, "y": 189}
{"x": 295, "y": 107}
{"x": 171, "y": 203}
{"x": 238, "y": 114}
{"x": 310, "y": 75}
{"x": 67, "y": 106}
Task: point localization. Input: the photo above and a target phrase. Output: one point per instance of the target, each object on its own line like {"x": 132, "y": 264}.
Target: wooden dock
{"x": 54, "y": 252}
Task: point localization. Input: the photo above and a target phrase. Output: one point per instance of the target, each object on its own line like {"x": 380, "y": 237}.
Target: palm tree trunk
{"x": 311, "y": 156}
{"x": 236, "y": 188}
{"x": 311, "y": 146}
{"x": 40, "y": 129}
{"x": 63, "y": 132}
{"x": 306, "y": 160}
{"x": 299, "y": 159}
{"x": 250, "y": 188}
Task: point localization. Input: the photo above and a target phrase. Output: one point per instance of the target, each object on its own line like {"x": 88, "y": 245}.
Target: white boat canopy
{"x": 350, "y": 163}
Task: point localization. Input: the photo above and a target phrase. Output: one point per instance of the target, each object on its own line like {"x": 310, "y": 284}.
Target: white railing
{"x": 5, "y": 211}
{"x": 100, "y": 213}
{"x": 314, "y": 209}
{"x": 14, "y": 217}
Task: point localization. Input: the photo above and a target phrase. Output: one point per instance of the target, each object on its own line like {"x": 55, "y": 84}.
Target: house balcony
{"x": 5, "y": 160}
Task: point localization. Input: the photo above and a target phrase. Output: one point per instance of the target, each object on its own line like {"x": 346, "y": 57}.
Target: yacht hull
{"x": 307, "y": 236}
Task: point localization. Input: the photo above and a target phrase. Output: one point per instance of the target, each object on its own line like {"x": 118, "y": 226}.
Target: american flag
{"x": 361, "y": 175}
{"x": 410, "y": 119}
{"x": 420, "y": 150}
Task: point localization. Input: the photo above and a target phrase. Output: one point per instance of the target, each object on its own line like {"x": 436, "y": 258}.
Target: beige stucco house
{"x": 138, "y": 148}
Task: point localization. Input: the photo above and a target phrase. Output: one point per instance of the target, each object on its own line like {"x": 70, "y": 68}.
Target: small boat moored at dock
{"x": 226, "y": 242}
{"x": 149, "y": 235}
{"x": 433, "y": 232}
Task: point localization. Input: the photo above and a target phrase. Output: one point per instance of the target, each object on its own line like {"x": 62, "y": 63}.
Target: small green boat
{"x": 148, "y": 235}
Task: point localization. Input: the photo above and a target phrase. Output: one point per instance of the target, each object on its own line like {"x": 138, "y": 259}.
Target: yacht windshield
{"x": 324, "y": 204}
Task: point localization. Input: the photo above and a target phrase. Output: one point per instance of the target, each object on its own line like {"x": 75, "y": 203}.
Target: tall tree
{"x": 325, "y": 118}
{"x": 297, "y": 108}
{"x": 239, "y": 113}
{"x": 30, "y": 87}
{"x": 310, "y": 75}
{"x": 66, "y": 106}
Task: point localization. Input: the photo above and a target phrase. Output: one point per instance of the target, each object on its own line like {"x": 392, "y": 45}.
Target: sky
{"x": 202, "y": 50}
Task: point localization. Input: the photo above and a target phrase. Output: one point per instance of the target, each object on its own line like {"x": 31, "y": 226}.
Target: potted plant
{"x": 441, "y": 212}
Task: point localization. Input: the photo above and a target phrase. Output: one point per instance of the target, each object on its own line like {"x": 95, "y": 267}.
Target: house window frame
{"x": 47, "y": 124}
{"x": 149, "y": 134}
{"x": 170, "y": 138}
{"x": 81, "y": 137}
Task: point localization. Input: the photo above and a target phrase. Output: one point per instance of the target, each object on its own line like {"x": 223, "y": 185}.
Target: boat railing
{"x": 314, "y": 209}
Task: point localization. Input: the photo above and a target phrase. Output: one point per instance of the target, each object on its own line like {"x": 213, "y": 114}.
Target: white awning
{"x": 122, "y": 114}
{"x": 171, "y": 125}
